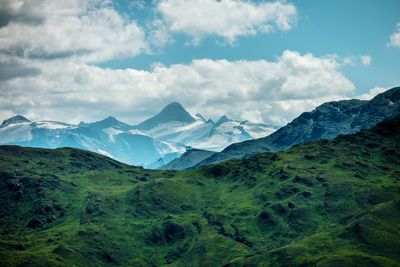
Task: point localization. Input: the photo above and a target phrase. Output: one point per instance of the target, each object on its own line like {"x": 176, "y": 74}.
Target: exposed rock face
{"x": 173, "y": 112}
{"x": 325, "y": 122}
{"x": 14, "y": 120}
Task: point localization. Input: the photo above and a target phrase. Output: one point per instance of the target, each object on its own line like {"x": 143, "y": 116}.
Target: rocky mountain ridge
{"x": 325, "y": 122}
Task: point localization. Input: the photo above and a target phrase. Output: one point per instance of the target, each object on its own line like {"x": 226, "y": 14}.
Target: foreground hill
{"x": 325, "y": 122}
{"x": 326, "y": 203}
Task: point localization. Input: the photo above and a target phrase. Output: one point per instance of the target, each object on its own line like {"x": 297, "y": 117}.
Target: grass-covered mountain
{"x": 325, "y": 203}
{"x": 325, "y": 122}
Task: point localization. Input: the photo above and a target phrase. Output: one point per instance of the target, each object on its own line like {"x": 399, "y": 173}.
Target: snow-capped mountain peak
{"x": 14, "y": 120}
{"x": 222, "y": 120}
{"x": 164, "y": 135}
{"x": 173, "y": 112}
{"x": 109, "y": 122}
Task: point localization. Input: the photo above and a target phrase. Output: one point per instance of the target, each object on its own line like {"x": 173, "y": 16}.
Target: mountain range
{"x": 164, "y": 136}
{"x": 325, "y": 122}
{"x": 322, "y": 203}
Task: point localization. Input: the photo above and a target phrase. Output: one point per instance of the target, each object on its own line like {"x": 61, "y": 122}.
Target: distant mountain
{"x": 325, "y": 122}
{"x": 164, "y": 136}
{"x": 109, "y": 137}
{"x": 202, "y": 134}
{"x": 15, "y": 120}
{"x": 164, "y": 160}
{"x": 188, "y": 159}
{"x": 221, "y": 121}
{"x": 173, "y": 112}
{"x": 109, "y": 122}
{"x": 200, "y": 117}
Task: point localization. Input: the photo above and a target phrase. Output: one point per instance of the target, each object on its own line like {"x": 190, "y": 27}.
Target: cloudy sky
{"x": 265, "y": 61}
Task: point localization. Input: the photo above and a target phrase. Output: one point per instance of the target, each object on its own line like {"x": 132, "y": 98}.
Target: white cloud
{"x": 372, "y": 93}
{"x": 272, "y": 91}
{"x": 366, "y": 60}
{"x": 137, "y": 4}
{"x": 228, "y": 19}
{"x": 89, "y": 31}
{"x": 395, "y": 37}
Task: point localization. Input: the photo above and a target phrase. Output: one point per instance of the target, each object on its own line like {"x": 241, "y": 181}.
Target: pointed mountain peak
{"x": 173, "y": 112}
{"x": 106, "y": 123}
{"x": 111, "y": 120}
{"x": 176, "y": 111}
{"x": 222, "y": 120}
{"x": 14, "y": 120}
{"x": 174, "y": 105}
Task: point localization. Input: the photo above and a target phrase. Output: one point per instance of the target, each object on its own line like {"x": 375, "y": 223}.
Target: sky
{"x": 263, "y": 61}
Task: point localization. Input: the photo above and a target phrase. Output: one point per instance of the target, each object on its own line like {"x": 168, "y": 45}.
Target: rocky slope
{"x": 325, "y": 122}
{"x": 173, "y": 112}
{"x": 188, "y": 159}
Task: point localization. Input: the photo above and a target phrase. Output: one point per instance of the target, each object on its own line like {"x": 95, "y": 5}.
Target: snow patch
{"x": 112, "y": 132}
{"x": 53, "y": 125}
{"x": 16, "y": 132}
{"x": 136, "y": 131}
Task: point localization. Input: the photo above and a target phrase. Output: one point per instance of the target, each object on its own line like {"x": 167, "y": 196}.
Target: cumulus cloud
{"x": 11, "y": 67}
{"x": 47, "y": 48}
{"x": 395, "y": 37}
{"x": 269, "y": 91}
{"x": 366, "y": 60}
{"x": 84, "y": 30}
{"x": 228, "y": 19}
{"x": 36, "y": 11}
{"x": 372, "y": 93}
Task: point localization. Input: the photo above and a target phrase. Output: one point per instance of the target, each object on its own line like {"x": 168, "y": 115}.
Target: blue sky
{"x": 265, "y": 61}
{"x": 342, "y": 27}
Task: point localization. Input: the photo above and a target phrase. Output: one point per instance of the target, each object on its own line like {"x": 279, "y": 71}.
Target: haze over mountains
{"x": 165, "y": 135}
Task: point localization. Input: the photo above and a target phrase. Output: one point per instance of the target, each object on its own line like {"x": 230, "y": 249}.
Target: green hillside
{"x": 326, "y": 203}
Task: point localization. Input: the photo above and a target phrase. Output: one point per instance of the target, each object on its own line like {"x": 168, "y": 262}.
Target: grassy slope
{"x": 326, "y": 203}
